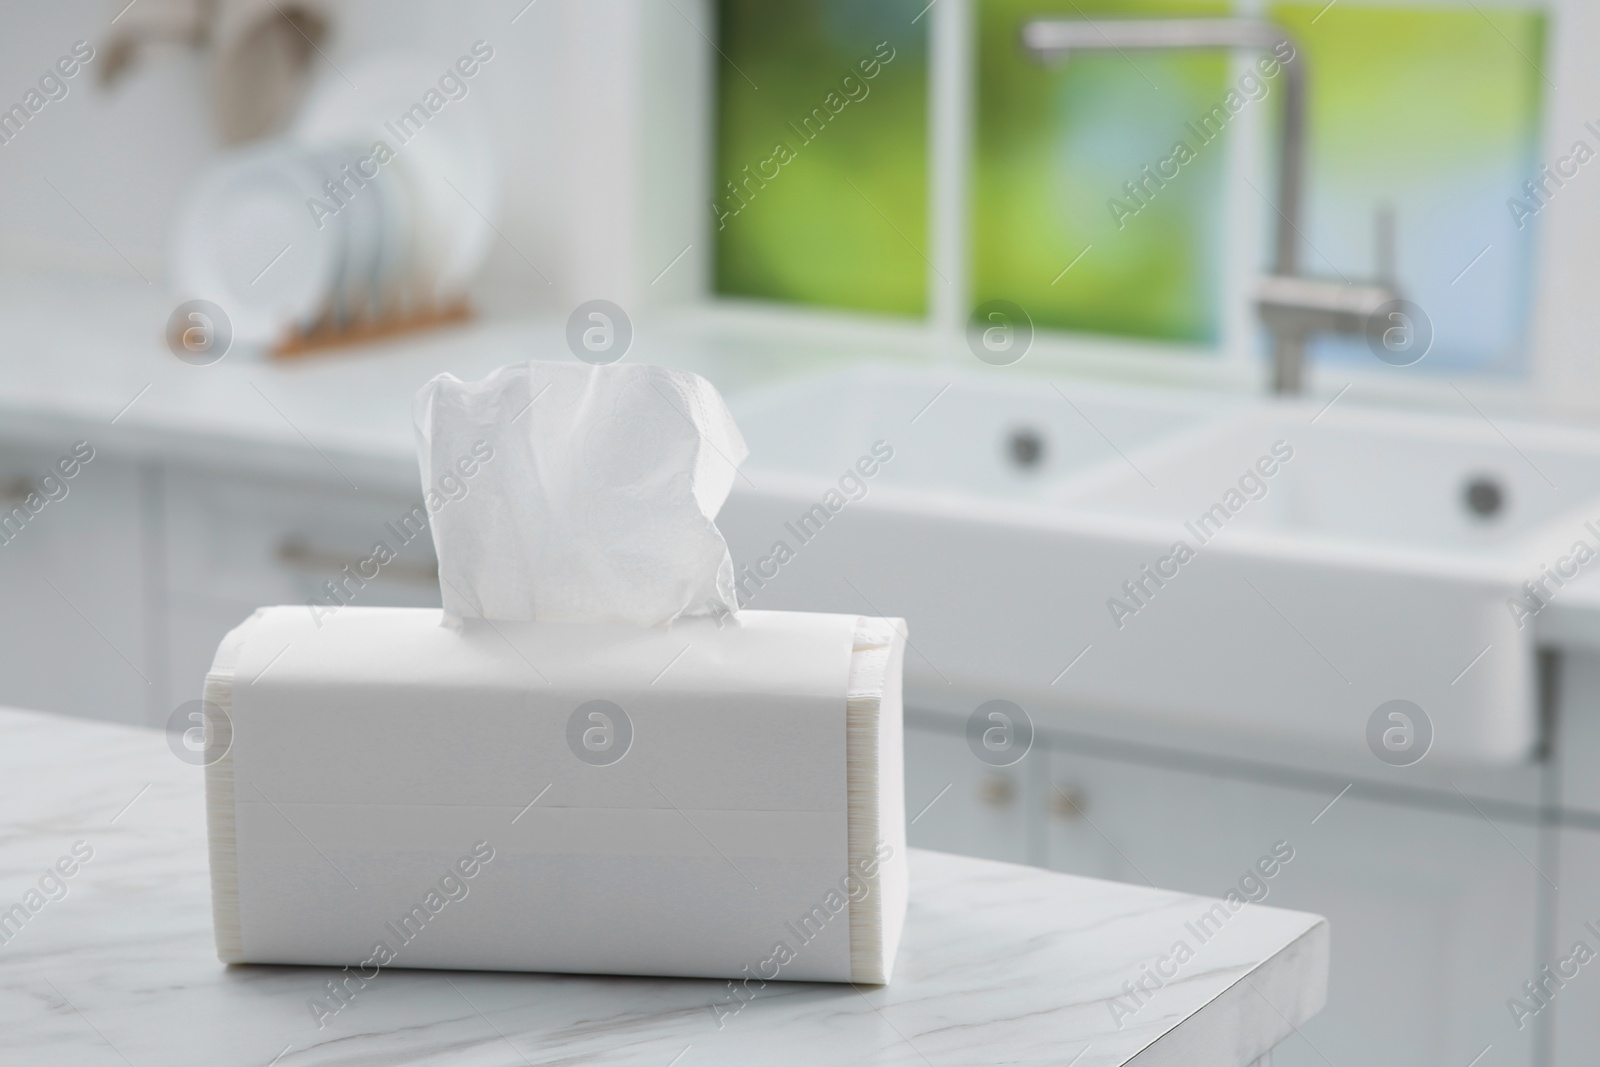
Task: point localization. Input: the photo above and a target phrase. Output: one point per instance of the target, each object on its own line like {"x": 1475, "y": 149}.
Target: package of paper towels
{"x": 649, "y": 783}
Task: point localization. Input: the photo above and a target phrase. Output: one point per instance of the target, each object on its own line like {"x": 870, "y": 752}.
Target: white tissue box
{"x": 383, "y": 790}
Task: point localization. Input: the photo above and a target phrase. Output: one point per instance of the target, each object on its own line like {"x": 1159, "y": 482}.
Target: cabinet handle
{"x": 997, "y": 791}
{"x": 15, "y": 490}
{"x": 1068, "y": 802}
{"x": 297, "y": 555}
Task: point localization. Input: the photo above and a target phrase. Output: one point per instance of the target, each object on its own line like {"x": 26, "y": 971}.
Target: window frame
{"x": 1565, "y": 271}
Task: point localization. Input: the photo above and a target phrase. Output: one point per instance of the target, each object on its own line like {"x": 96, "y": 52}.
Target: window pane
{"x": 1434, "y": 111}
{"x": 821, "y": 170}
{"x": 1054, "y": 148}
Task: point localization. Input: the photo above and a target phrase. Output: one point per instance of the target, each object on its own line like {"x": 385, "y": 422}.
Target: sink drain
{"x": 1483, "y": 497}
{"x": 1026, "y": 449}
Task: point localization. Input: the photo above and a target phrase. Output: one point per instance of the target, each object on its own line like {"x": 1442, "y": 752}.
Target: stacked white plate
{"x": 312, "y": 229}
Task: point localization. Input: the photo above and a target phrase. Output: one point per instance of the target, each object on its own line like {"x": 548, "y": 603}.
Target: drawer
{"x": 263, "y": 542}
{"x": 73, "y": 638}
{"x": 237, "y": 544}
{"x": 957, "y": 803}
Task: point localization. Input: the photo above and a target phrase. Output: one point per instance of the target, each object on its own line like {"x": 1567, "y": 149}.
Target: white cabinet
{"x": 73, "y": 586}
{"x": 1437, "y": 919}
{"x": 1433, "y": 908}
{"x": 1138, "y": 823}
{"x": 1433, "y": 912}
{"x": 236, "y": 543}
{"x": 955, "y": 803}
{"x": 1578, "y": 743}
{"x": 1575, "y": 1006}
{"x": 118, "y": 591}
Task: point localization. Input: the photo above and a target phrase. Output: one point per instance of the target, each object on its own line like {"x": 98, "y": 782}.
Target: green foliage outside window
{"x": 820, "y": 193}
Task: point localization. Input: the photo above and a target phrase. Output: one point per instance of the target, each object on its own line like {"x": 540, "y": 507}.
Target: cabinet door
{"x": 235, "y": 544}
{"x": 956, "y": 803}
{"x": 72, "y": 636}
{"x": 1432, "y": 912}
{"x": 1578, "y": 749}
{"x": 1574, "y": 1010}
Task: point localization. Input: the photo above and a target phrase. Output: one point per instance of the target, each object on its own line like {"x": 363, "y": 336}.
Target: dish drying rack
{"x": 331, "y": 331}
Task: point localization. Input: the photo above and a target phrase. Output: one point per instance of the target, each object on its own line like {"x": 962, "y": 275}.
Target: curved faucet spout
{"x": 1055, "y": 40}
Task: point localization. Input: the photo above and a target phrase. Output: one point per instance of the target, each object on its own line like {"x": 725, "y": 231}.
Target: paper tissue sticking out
{"x": 599, "y": 503}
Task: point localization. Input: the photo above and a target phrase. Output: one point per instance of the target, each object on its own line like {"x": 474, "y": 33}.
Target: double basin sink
{"x": 1264, "y": 565}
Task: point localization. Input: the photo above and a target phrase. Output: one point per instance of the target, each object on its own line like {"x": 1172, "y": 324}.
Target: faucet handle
{"x": 1294, "y": 306}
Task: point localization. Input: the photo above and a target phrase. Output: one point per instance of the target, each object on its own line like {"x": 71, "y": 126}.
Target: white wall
{"x": 636, "y": 86}
{"x": 124, "y": 157}
{"x": 1566, "y": 351}
{"x": 601, "y": 114}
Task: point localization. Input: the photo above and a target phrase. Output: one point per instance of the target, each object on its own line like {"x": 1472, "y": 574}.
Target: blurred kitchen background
{"x": 963, "y": 233}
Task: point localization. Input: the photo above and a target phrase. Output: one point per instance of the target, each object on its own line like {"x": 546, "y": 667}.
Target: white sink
{"x": 1383, "y": 482}
{"x": 1360, "y": 576}
{"x": 951, "y": 434}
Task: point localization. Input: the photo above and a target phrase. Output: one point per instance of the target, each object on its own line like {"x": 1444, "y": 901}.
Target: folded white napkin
{"x": 702, "y": 800}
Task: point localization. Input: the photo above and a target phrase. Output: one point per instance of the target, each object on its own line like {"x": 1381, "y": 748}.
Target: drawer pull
{"x": 1068, "y": 802}
{"x": 297, "y": 555}
{"x": 997, "y": 791}
{"x": 15, "y": 490}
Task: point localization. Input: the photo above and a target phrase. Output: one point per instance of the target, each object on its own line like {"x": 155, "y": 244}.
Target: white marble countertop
{"x": 81, "y": 357}
{"x": 999, "y": 963}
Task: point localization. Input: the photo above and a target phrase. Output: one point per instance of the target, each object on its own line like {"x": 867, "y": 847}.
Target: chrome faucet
{"x": 1291, "y": 305}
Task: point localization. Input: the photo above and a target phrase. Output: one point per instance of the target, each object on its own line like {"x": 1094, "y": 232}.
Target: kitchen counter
{"x": 999, "y": 963}
{"x": 85, "y": 358}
